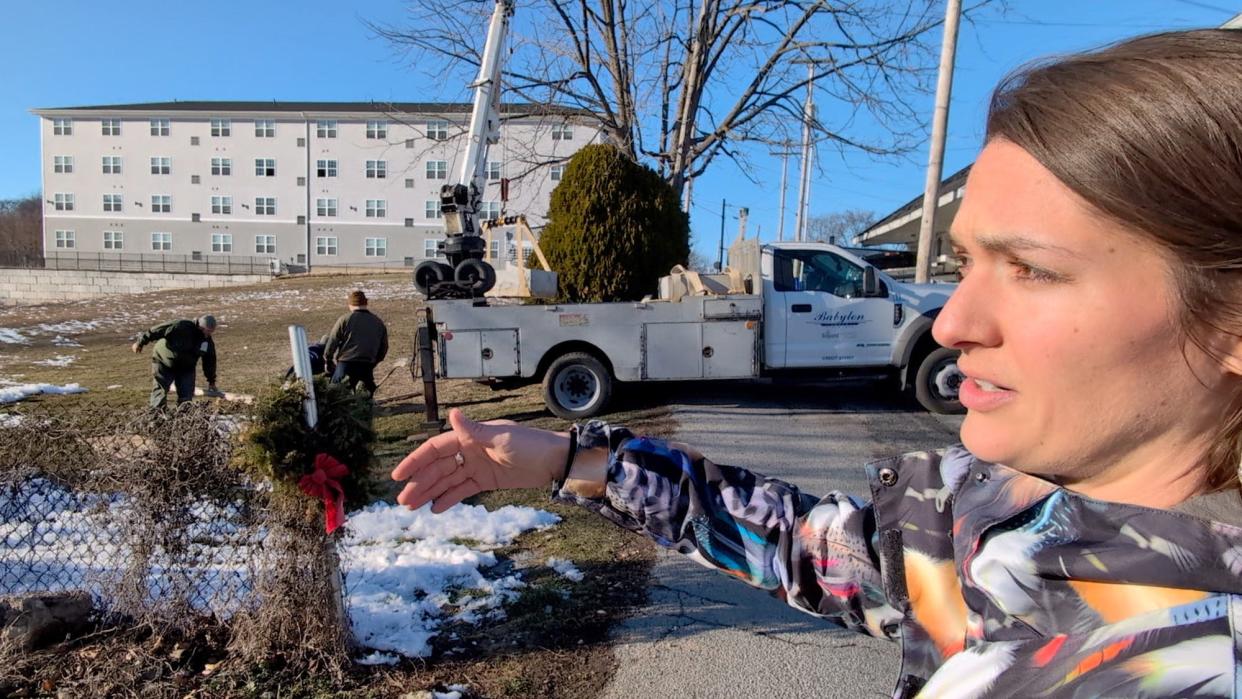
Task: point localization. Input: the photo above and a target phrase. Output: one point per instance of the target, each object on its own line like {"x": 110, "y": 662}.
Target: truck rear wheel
{"x": 937, "y": 382}
{"x": 576, "y": 385}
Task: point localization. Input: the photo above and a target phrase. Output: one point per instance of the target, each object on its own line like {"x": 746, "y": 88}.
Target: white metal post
{"x": 298, "y": 347}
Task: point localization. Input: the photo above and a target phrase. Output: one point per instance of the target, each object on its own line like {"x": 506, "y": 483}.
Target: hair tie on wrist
{"x": 569, "y": 460}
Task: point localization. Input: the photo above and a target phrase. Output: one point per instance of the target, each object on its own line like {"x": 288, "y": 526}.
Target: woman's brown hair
{"x": 1149, "y": 132}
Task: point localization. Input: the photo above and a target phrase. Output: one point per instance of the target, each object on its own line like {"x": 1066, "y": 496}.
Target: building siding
{"x": 525, "y": 142}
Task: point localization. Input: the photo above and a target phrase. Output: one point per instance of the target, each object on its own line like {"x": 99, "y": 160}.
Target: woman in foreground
{"x": 1099, "y": 319}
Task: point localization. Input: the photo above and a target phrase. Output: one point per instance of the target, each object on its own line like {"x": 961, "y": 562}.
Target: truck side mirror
{"x": 871, "y": 285}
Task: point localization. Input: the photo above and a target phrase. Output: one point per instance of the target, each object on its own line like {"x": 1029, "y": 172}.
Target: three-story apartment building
{"x": 307, "y": 183}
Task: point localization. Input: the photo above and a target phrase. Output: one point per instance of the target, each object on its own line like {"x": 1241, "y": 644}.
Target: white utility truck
{"x": 791, "y": 308}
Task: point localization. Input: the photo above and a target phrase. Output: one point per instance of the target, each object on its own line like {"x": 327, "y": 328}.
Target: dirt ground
{"x": 553, "y": 642}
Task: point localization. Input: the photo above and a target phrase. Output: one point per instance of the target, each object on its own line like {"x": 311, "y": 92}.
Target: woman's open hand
{"x": 476, "y": 457}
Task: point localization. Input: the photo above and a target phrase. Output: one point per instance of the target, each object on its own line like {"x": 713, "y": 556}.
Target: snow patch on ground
{"x": 15, "y": 392}
{"x": 62, "y": 341}
{"x": 9, "y": 336}
{"x": 403, "y": 571}
{"x": 565, "y": 568}
{"x": 58, "y": 360}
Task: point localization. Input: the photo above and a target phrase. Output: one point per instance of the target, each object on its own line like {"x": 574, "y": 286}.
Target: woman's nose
{"x": 968, "y": 318}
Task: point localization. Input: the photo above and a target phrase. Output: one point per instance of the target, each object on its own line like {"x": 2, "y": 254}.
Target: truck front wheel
{"x": 576, "y": 386}
{"x": 937, "y": 382}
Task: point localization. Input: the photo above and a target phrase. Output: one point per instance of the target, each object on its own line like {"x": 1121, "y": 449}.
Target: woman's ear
{"x": 1231, "y": 354}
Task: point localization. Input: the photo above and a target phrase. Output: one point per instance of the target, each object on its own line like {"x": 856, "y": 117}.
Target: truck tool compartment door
{"x": 828, "y": 322}
{"x": 472, "y": 354}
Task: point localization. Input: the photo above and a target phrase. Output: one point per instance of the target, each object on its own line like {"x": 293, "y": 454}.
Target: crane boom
{"x": 467, "y": 273}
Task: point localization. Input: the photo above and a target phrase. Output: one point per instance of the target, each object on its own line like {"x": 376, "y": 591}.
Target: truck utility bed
{"x": 713, "y": 337}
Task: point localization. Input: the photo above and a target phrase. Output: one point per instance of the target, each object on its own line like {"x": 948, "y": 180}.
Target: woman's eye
{"x": 962, "y": 262}
{"x": 1027, "y": 272}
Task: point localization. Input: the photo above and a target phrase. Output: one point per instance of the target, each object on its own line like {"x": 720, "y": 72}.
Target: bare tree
{"x": 21, "y": 228}
{"x": 840, "y": 227}
{"x": 684, "y": 82}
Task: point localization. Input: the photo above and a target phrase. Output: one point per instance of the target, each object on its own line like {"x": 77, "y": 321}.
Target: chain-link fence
{"x": 148, "y": 513}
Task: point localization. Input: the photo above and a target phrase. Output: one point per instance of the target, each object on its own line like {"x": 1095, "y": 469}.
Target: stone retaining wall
{"x": 30, "y": 286}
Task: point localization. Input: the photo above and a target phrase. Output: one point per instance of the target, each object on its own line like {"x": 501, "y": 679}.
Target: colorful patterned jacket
{"x": 996, "y": 583}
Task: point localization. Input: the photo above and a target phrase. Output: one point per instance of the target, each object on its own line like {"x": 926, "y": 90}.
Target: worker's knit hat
{"x": 357, "y": 298}
{"x": 207, "y": 321}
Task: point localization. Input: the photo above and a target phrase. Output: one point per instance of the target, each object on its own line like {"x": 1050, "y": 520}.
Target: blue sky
{"x": 84, "y": 52}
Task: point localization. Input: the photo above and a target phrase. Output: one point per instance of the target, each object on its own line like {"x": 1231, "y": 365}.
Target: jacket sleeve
{"x": 334, "y": 339}
{"x": 156, "y": 333}
{"x": 383, "y": 346}
{"x": 209, "y": 361}
{"x": 815, "y": 553}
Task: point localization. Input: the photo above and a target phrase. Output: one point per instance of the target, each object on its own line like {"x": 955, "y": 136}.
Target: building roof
{"x": 274, "y": 106}
{"x": 948, "y": 184}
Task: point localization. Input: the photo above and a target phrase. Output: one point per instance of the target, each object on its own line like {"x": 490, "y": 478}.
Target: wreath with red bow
{"x": 331, "y": 463}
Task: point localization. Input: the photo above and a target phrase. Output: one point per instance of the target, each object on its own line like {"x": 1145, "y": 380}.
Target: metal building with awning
{"x": 901, "y": 227}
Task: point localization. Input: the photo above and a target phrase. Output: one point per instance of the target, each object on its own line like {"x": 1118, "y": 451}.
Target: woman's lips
{"x": 982, "y": 395}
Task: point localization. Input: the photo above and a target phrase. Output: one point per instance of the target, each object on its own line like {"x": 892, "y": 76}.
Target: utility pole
{"x": 804, "y": 184}
{"x": 720, "y": 259}
{"x": 935, "y": 159}
{"x": 784, "y": 153}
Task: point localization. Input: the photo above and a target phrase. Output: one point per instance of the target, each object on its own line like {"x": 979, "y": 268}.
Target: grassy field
{"x": 553, "y": 642}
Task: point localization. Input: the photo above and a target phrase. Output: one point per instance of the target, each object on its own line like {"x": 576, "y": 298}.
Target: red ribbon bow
{"x": 325, "y": 483}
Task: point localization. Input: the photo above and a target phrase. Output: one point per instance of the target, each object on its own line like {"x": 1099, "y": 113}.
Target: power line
{"x": 1207, "y": 6}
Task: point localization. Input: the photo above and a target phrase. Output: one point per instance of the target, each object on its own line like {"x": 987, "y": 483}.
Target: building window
{"x": 62, "y": 201}
{"x": 376, "y": 247}
{"x": 221, "y": 127}
{"x": 325, "y": 207}
{"x": 161, "y": 242}
{"x": 222, "y": 204}
{"x": 325, "y": 245}
{"x": 562, "y": 132}
{"x": 377, "y": 128}
{"x": 265, "y": 167}
{"x": 377, "y": 208}
{"x": 222, "y": 242}
{"x": 558, "y": 171}
{"x": 112, "y": 165}
{"x": 489, "y": 210}
{"x": 112, "y": 203}
{"x": 160, "y": 127}
{"x": 437, "y": 130}
{"x": 111, "y": 127}
{"x": 114, "y": 240}
{"x": 265, "y": 128}
{"x": 493, "y": 250}
{"x": 409, "y": 183}
{"x": 66, "y": 239}
{"x": 325, "y": 128}
{"x": 265, "y": 206}
{"x": 377, "y": 169}
{"x": 265, "y": 244}
{"x": 62, "y": 163}
{"x": 431, "y": 248}
{"x": 221, "y": 166}
{"x": 62, "y": 127}
{"x": 437, "y": 169}
{"x": 431, "y": 209}
{"x": 493, "y": 170}
{"x": 325, "y": 168}
{"x": 161, "y": 165}
{"x": 161, "y": 203}
{"x": 527, "y": 250}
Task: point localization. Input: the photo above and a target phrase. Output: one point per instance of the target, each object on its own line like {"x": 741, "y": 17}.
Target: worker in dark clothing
{"x": 178, "y": 347}
{"x": 358, "y": 342}
{"x": 317, "y": 364}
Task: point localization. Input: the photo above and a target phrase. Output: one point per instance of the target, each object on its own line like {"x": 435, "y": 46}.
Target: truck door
{"x": 828, "y": 322}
